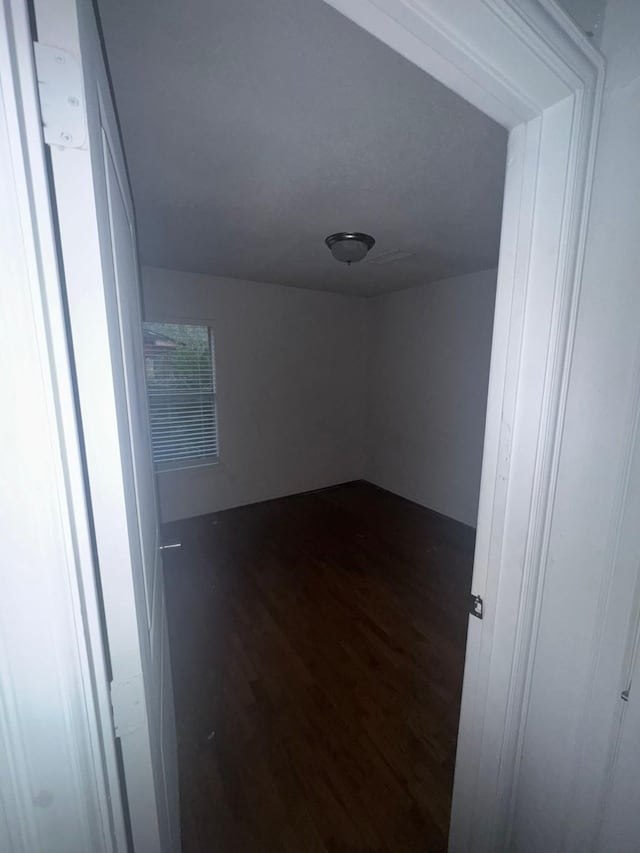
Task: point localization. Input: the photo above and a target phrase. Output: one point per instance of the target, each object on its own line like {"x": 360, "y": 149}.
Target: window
{"x": 181, "y": 387}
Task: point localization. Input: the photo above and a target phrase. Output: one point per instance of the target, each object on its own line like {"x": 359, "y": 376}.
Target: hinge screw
{"x": 73, "y": 101}
{"x": 66, "y": 137}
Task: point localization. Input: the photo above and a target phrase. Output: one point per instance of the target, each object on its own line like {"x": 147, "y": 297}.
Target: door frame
{"x": 63, "y": 787}
{"x": 526, "y": 65}
{"x": 89, "y": 183}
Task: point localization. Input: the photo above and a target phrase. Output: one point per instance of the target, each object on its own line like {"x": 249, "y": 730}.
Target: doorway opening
{"x": 317, "y": 427}
{"x": 199, "y": 486}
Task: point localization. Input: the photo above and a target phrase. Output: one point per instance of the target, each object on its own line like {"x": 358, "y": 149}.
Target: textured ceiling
{"x": 252, "y": 130}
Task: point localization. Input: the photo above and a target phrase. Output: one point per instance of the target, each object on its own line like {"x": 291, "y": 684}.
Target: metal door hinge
{"x": 476, "y": 606}
{"x": 625, "y": 695}
{"x": 61, "y": 96}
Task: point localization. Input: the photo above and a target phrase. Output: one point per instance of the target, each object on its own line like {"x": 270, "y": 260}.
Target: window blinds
{"x": 181, "y": 388}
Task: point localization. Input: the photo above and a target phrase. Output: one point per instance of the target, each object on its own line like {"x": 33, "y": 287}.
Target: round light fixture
{"x": 349, "y": 247}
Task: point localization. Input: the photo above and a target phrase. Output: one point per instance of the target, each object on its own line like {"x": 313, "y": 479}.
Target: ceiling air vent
{"x": 390, "y": 257}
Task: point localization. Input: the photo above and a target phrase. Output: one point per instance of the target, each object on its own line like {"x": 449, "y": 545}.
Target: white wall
{"x": 316, "y": 389}
{"x": 603, "y": 381}
{"x": 290, "y": 367}
{"x": 428, "y": 374}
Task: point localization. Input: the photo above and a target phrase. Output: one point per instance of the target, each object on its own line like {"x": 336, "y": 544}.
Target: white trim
{"x": 523, "y": 63}
{"x": 615, "y": 640}
{"x": 98, "y": 251}
{"x": 73, "y": 700}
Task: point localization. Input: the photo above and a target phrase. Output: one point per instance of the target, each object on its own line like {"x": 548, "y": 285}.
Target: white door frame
{"x": 59, "y": 782}
{"x": 523, "y": 63}
{"x": 96, "y": 230}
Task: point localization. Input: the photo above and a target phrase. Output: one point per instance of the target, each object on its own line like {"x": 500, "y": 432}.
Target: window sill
{"x": 186, "y": 464}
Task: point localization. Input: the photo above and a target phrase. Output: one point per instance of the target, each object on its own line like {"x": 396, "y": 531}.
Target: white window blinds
{"x": 181, "y": 387}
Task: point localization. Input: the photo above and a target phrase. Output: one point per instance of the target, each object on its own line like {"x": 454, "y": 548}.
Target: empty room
{"x": 319, "y": 226}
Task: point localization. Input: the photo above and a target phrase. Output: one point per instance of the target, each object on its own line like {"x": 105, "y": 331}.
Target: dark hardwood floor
{"x": 317, "y": 647}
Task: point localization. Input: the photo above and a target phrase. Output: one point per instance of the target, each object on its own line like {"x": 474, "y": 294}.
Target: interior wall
{"x": 290, "y": 368}
{"x": 427, "y": 392}
{"x": 316, "y": 389}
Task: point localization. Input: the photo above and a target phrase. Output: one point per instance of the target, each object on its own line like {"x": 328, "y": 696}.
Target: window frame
{"x": 195, "y": 461}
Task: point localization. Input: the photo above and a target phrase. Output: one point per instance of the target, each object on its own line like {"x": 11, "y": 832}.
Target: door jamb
{"x": 61, "y": 607}
{"x": 526, "y": 65}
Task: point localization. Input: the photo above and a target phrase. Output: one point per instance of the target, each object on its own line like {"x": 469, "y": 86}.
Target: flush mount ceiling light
{"x": 349, "y": 246}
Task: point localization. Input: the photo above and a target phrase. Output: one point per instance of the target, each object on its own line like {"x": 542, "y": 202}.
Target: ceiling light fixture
{"x": 349, "y": 246}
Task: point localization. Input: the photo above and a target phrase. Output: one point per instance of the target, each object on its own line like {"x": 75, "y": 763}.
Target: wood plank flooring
{"x": 317, "y": 646}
